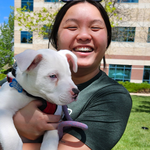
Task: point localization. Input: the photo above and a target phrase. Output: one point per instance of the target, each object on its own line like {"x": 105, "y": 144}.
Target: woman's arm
{"x": 31, "y": 123}
{"x": 31, "y": 146}
{"x": 68, "y": 142}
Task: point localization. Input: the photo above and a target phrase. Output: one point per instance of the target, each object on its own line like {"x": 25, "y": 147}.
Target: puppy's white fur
{"x": 44, "y": 73}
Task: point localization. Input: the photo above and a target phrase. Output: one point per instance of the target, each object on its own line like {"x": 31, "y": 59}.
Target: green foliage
{"x": 136, "y": 87}
{"x": 6, "y": 42}
{"x": 5, "y": 71}
{"x": 112, "y": 11}
{"x": 39, "y": 21}
{"x": 2, "y": 76}
{"x": 135, "y": 138}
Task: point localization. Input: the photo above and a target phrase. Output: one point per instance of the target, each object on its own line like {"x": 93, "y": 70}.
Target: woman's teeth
{"x": 83, "y": 49}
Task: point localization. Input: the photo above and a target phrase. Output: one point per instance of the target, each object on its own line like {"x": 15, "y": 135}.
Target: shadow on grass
{"x": 143, "y": 105}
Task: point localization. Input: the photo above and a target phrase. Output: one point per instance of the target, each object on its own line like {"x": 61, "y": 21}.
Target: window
{"x": 28, "y": 4}
{"x": 123, "y": 34}
{"x": 146, "y": 74}
{"x": 26, "y": 37}
{"x": 51, "y": 0}
{"x": 148, "y": 38}
{"x": 128, "y": 1}
{"x": 120, "y": 72}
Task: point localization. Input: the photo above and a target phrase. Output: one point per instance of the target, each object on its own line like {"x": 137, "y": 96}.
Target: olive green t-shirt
{"x": 104, "y": 105}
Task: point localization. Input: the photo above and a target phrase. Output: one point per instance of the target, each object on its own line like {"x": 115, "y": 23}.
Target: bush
{"x": 5, "y": 71}
{"x": 136, "y": 87}
{"x": 2, "y": 76}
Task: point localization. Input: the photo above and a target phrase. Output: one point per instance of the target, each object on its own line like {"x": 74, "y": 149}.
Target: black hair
{"x": 62, "y": 12}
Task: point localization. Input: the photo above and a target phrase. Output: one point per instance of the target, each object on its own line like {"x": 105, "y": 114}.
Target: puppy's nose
{"x": 75, "y": 91}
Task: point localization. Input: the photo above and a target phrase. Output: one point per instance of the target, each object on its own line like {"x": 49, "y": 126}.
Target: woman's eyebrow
{"x": 71, "y": 20}
{"x": 98, "y": 21}
{"x": 92, "y": 21}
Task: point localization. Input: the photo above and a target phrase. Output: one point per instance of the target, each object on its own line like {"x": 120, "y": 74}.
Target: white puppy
{"x": 43, "y": 73}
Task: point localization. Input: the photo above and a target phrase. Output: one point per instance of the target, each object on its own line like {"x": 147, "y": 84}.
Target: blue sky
{"x": 5, "y": 10}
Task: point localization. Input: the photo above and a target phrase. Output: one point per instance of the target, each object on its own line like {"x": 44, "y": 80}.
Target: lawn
{"x": 136, "y": 138}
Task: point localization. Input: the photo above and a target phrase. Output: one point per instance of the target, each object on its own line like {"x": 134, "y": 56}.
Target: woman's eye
{"x": 72, "y": 28}
{"x": 95, "y": 28}
{"x": 53, "y": 76}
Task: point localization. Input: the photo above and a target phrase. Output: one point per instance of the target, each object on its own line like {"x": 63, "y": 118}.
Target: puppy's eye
{"x": 53, "y": 76}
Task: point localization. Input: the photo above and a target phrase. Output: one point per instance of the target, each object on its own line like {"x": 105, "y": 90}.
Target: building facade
{"x": 127, "y": 58}
{"x": 31, "y": 40}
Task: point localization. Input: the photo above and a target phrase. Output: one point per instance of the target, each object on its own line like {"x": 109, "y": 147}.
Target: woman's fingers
{"x": 36, "y": 103}
{"x": 51, "y": 118}
{"x": 51, "y": 126}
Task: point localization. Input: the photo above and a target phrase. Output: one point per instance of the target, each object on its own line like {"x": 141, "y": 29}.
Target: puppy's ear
{"x": 28, "y": 59}
{"x": 70, "y": 57}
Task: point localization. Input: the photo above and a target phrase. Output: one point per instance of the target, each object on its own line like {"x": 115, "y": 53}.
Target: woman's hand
{"x": 31, "y": 123}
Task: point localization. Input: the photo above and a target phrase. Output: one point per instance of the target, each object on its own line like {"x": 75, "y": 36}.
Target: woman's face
{"x": 83, "y": 32}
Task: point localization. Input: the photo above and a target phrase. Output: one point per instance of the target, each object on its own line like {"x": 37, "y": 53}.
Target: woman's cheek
{"x": 64, "y": 40}
{"x": 104, "y": 39}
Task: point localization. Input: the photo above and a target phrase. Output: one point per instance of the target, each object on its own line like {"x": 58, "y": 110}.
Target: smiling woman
{"x": 83, "y": 27}
{"x": 86, "y": 36}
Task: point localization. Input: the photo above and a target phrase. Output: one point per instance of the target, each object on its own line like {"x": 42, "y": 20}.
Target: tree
{"x": 38, "y": 21}
{"x": 6, "y": 42}
{"x": 41, "y": 21}
{"x": 113, "y": 10}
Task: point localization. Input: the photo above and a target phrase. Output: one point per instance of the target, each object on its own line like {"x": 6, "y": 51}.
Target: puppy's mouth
{"x": 83, "y": 49}
{"x": 74, "y": 97}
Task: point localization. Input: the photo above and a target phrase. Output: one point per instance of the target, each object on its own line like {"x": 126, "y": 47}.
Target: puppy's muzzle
{"x": 75, "y": 93}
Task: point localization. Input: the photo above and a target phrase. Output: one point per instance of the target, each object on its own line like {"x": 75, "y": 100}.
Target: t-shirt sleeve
{"x": 106, "y": 115}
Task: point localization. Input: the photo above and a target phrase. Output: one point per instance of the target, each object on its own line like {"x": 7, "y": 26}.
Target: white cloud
{"x": 5, "y": 18}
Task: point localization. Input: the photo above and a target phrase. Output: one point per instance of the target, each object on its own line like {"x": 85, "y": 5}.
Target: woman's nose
{"x": 83, "y": 35}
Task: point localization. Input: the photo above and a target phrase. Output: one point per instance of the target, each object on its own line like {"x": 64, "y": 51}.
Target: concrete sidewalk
{"x": 140, "y": 94}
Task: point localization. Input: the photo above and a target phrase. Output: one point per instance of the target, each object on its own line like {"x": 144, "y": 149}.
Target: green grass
{"x": 134, "y": 137}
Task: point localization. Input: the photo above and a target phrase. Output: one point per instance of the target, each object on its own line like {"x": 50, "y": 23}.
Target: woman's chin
{"x": 84, "y": 65}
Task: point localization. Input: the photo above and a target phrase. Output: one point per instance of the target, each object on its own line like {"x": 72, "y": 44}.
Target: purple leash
{"x": 69, "y": 123}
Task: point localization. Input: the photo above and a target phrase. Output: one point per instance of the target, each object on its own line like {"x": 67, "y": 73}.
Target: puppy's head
{"x": 46, "y": 73}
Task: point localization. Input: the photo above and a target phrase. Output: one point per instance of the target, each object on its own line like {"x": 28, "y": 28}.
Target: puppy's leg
{"x": 9, "y": 138}
{"x": 50, "y": 140}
